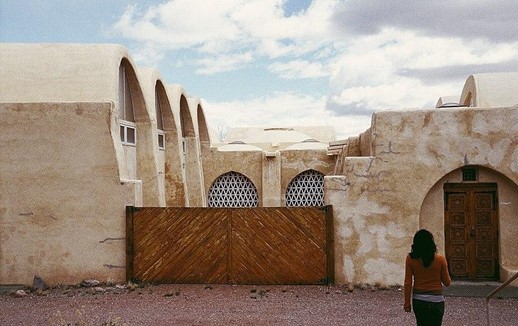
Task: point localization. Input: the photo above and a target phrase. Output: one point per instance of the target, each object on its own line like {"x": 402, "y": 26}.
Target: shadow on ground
{"x": 479, "y": 289}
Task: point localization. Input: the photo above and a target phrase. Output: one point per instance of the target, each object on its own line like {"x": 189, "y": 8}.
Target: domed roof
{"x": 239, "y": 146}
{"x": 267, "y": 135}
{"x": 308, "y": 144}
{"x": 490, "y": 90}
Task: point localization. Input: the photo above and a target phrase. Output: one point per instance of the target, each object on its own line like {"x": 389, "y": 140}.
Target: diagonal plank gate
{"x": 274, "y": 245}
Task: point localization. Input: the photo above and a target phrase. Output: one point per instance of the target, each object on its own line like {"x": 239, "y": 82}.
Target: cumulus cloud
{"x": 296, "y": 69}
{"x": 400, "y": 69}
{"x": 377, "y": 55}
{"x": 281, "y": 110}
{"x": 258, "y": 27}
{"x": 369, "y": 99}
{"x": 211, "y": 65}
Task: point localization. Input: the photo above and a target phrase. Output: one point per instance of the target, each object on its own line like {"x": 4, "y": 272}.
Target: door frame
{"x": 491, "y": 187}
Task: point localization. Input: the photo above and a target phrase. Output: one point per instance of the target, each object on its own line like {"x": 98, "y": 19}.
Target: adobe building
{"x": 86, "y": 133}
{"x": 452, "y": 170}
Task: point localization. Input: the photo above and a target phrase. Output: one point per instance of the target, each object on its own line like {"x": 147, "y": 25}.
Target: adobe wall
{"x": 378, "y": 201}
{"x": 62, "y": 203}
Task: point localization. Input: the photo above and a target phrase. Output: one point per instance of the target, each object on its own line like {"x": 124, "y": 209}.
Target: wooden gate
{"x": 471, "y": 230}
{"x": 230, "y": 245}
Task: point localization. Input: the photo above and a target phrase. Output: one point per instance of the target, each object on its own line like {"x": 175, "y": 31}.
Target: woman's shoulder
{"x": 440, "y": 257}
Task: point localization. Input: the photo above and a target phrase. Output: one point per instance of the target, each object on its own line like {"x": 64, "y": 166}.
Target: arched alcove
{"x": 135, "y": 125}
{"x": 472, "y": 188}
{"x": 186, "y": 119}
{"x": 175, "y": 177}
{"x": 203, "y": 130}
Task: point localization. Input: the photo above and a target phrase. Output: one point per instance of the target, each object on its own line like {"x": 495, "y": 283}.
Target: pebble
{"x": 20, "y": 293}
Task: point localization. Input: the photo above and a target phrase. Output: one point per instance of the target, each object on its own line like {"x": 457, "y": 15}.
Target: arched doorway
{"x": 481, "y": 192}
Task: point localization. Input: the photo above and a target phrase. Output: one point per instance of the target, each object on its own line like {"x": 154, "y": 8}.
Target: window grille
{"x": 469, "y": 174}
{"x": 306, "y": 189}
{"x": 233, "y": 189}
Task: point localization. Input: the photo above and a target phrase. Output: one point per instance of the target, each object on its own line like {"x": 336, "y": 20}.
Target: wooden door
{"x": 471, "y": 230}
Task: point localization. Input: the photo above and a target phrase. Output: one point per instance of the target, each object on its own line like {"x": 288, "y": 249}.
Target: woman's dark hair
{"x": 424, "y": 247}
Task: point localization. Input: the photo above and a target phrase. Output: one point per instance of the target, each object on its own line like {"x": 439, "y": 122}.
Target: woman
{"x": 429, "y": 271}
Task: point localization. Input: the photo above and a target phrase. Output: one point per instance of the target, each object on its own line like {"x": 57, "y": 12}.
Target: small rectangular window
{"x": 469, "y": 174}
{"x": 161, "y": 140}
{"x": 128, "y": 133}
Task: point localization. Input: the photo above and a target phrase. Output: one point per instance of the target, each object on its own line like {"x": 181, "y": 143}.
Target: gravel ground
{"x": 235, "y": 305}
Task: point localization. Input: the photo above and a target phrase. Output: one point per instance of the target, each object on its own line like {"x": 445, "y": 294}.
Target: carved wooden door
{"x": 471, "y": 231}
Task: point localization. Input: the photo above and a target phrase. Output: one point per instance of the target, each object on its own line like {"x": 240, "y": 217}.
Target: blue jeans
{"x": 428, "y": 313}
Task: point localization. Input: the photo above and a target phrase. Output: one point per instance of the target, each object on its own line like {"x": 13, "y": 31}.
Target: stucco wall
{"x": 62, "y": 203}
{"x": 378, "y": 201}
{"x": 40, "y": 73}
{"x": 175, "y": 189}
{"x": 59, "y": 72}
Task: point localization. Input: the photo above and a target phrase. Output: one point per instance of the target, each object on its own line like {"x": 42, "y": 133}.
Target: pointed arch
{"x": 133, "y": 98}
{"x": 203, "y": 129}
{"x": 186, "y": 119}
{"x": 164, "y": 116}
{"x": 306, "y": 189}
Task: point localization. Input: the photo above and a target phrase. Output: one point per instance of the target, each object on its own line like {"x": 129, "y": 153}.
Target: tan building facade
{"x": 86, "y": 133}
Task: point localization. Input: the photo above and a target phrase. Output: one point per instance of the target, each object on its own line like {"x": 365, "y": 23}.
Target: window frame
{"x": 124, "y": 126}
{"x": 161, "y": 140}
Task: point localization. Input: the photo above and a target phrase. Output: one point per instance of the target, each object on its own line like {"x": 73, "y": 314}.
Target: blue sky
{"x": 289, "y": 62}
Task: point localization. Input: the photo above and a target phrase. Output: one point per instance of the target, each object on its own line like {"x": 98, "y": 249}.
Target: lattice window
{"x": 306, "y": 189}
{"x": 233, "y": 189}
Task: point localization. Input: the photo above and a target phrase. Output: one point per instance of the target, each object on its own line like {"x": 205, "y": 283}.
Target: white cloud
{"x": 211, "y": 65}
{"x": 297, "y": 69}
{"x": 377, "y": 54}
{"x": 227, "y": 28}
{"x": 281, "y": 110}
{"x": 180, "y": 24}
{"x": 382, "y": 71}
{"x": 404, "y": 93}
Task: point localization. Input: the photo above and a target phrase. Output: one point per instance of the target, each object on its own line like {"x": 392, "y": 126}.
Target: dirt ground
{"x": 235, "y": 305}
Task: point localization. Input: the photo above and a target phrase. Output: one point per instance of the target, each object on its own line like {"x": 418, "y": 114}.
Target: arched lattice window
{"x": 233, "y": 189}
{"x": 306, "y": 189}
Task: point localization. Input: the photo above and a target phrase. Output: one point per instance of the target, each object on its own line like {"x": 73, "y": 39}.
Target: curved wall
{"x": 490, "y": 90}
